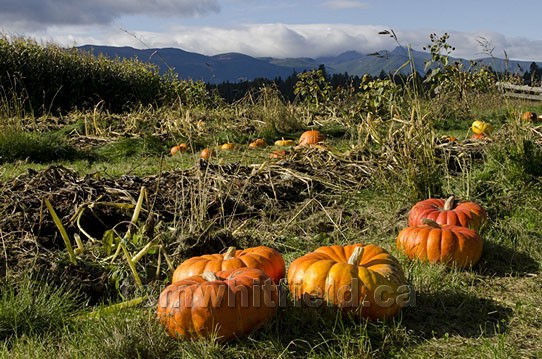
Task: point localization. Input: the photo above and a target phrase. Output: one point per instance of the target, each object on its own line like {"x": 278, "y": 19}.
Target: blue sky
{"x": 281, "y": 28}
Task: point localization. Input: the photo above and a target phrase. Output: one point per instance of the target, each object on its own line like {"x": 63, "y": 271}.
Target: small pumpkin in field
{"x": 227, "y": 146}
{"x": 228, "y": 304}
{"x": 206, "y": 153}
{"x": 173, "y": 151}
{"x": 478, "y": 136}
{"x": 278, "y": 154}
{"x": 181, "y": 147}
{"x": 284, "y": 143}
{"x": 311, "y": 137}
{"x": 448, "y": 138}
{"x": 449, "y": 211}
{"x": 529, "y": 116}
{"x": 258, "y": 143}
{"x": 481, "y": 127}
{"x": 362, "y": 279}
{"x": 264, "y": 258}
{"x": 448, "y": 244}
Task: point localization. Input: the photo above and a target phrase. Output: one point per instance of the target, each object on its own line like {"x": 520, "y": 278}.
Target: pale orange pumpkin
{"x": 361, "y": 279}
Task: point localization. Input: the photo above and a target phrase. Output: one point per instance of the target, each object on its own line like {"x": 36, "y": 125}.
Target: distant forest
{"x": 232, "y": 92}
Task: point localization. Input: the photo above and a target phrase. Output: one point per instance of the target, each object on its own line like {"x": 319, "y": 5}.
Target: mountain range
{"x": 236, "y": 67}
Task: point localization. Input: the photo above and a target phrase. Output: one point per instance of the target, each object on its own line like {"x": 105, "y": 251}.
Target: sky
{"x": 280, "y": 28}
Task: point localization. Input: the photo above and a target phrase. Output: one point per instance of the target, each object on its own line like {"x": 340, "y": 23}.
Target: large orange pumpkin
{"x": 311, "y": 137}
{"x": 267, "y": 259}
{"x": 361, "y": 279}
{"x": 452, "y": 245}
{"x": 227, "y": 304}
{"x": 449, "y": 211}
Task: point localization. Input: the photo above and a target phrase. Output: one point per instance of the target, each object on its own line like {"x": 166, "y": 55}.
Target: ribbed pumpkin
{"x": 264, "y": 258}
{"x": 227, "y": 304}
{"x": 449, "y": 211}
{"x": 311, "y": 137}
{"x": 448, "y": 244}
{"x": 362, "y": 279}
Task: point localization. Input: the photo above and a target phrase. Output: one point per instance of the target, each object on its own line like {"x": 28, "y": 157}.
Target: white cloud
{"x": 345, "y": 4}
{"x": 291, "y": 40}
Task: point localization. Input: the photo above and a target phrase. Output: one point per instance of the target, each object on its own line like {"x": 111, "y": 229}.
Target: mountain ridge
{"x": 236, "y": 67}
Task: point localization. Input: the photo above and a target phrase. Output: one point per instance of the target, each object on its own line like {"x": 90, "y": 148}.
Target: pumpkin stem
{"x": 230, "y": 253}
{"x": 431, "y": 223}
{"x": 449, "y": 203}
{"x": 356, "y": 256}
{"x": 209, "y": 276}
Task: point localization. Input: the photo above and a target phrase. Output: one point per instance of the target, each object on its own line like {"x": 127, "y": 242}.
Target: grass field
{"x": 358, "y": 187}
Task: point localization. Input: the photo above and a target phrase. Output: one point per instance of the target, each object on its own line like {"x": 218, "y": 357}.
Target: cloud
{"x": 293, "y": 40}
{"x": 39, "y": 14}
{"x": 345, "y": 4}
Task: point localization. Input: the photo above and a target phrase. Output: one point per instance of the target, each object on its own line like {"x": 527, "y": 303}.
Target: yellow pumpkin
{"x": 228, "y": 146}
{"x": 284, "y": 143}
{"x": 481, "y": 127}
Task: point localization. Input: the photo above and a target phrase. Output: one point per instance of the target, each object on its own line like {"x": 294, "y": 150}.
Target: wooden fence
{"x": 521, "y": 91}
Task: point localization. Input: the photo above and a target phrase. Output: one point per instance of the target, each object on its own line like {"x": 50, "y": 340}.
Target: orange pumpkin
{"x": 449, "y": 211}
{"x": 478, "y": 136}
{"x": 529, "y": 116}
{"x": 206, "y": 153}
{"x": 448, "y": 244}
{"x": 174, "y": 150}
{"x": 311, "y": 137}
{"x": 361, "y": 279}
{"x": 278, "y": 154}
{"x": 258, "y": 143}
{"x": 264, "y": 258}
{"x": 227, "y": 304}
